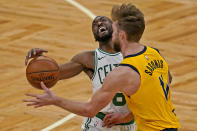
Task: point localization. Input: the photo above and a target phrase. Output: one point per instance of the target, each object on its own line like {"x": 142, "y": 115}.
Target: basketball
{"x": 44, "y": 69}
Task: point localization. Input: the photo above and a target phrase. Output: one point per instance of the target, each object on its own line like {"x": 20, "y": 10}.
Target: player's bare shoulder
{"x": 125, "y": 79}
{"x": 131, "y": 78}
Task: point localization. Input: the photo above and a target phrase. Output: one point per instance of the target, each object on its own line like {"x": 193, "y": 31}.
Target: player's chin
{"x": 104, "y": 33}
{"x": 105, "y": 37}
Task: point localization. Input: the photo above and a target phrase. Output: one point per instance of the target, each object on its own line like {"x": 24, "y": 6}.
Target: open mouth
{"x": 102, "y": 29}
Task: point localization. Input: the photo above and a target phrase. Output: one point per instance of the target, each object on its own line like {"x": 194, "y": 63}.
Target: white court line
{"x": 56, "y": 124}
{"x": 82, "y": 8}
{"x": 71, "y": 115}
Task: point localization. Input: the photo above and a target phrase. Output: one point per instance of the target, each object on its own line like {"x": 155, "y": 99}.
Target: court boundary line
{"x": 71, "y": 115}
{"x": 81, "y": 8}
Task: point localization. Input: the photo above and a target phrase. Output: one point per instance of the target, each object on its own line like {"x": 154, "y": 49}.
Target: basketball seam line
{"x": 42, "y": 71}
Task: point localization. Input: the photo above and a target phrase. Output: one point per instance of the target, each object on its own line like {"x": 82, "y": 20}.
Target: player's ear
{"x": 122, "y": 35}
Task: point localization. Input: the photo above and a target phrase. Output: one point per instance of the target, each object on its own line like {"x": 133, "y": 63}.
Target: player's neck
{"x": 131, "y": 48}
{"x": 107, "y": 46}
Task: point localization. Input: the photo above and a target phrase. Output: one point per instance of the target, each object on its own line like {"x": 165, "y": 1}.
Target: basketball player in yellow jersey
{"x": 151, "y": 103}
{"x": 142, "y": 76}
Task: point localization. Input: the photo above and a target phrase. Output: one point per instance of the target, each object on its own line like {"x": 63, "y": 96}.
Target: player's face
{"x": 115, "y": 38}
{"x": 102, "y": 28}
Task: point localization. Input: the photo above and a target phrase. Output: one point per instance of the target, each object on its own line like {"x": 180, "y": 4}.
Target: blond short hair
{"x": 129, "y": 19}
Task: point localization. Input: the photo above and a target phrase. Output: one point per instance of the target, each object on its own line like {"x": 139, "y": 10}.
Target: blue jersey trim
{"x": 135, "y": 69}
{"x": 139, "y": 53}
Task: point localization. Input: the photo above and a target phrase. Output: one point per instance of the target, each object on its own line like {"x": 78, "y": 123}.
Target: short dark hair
{"x": 129, "y": 19}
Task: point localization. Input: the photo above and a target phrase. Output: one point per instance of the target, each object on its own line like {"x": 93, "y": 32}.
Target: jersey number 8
{"x": 119, "y": 100}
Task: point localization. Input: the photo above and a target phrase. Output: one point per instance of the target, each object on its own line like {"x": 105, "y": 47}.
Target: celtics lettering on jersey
{"x": 104, "y": 64}
{"x": 105, "y": 69}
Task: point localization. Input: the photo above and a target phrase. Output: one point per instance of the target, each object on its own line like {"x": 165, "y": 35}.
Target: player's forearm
{"x": 79, "y": 108}
{"x": 69, "y": 70}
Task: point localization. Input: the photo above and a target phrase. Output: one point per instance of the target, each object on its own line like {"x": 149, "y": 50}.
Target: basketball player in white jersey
{"x": 97, "y": 64}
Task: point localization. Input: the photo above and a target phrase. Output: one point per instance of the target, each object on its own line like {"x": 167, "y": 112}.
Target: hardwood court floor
{"x": 65, "y": 31}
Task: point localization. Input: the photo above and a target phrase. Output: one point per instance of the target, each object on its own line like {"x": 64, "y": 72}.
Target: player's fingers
{"x": 44, "y": 87}
{"x": 26, "y": 60}
{"x": 30, "y": 100}
{"x": 32, "y": 104}
{"x": 34, "y": 51}
{"x": 39, "y": 105}
{"x": 106, "y": 122}
{"x": 27, "y": 57}
{"x": 30, "y": 94}
{"x": 29, "y": 54}
{"x": 39, "y": 51}
{"x": 43, "y": 50}
{"x": 108, "y": 116}
{"x": 110, "y": 125}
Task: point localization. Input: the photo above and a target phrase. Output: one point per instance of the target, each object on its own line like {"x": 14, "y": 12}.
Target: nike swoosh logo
{"x": 101, "y": 58}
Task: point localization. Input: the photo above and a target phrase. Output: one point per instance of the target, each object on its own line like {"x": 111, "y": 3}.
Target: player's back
{"x": 151, "y": 104}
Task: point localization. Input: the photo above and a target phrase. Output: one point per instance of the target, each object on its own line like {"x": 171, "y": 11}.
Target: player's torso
{"x": 151, "y": 104}
{"x": 104, "y": 64}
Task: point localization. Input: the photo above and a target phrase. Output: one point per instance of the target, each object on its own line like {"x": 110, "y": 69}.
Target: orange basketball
{"x": 44, "y": 69}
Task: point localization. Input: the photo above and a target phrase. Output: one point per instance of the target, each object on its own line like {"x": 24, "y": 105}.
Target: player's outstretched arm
{"x": 80, "y": 62}
{"x": 88, "y": 109}
{"x": 120, "y": 79}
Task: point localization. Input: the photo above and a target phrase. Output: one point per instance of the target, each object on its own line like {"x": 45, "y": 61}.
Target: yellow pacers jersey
{"x": 151, "y": 104}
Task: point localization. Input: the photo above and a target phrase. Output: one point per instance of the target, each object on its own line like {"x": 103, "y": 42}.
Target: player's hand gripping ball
{"x": 42, "y": 68}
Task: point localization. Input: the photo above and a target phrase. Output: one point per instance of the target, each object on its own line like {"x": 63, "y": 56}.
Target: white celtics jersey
{"x": 105, "y": 63}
